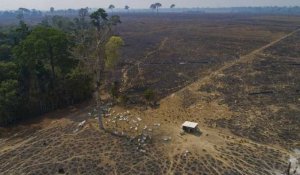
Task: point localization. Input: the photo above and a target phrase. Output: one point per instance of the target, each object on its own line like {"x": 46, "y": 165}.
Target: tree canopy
{"x": 99, "y": 18}
{"x": 112, "y": 51}
{"x": 155, "y": 6}
{"x": 56, "y": 63}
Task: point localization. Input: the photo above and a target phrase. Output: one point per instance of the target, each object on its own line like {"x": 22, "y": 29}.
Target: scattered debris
{"x": 76, "y": 130}
{"x": 166, "y": 138}
{"x": 186, "y": 153}
{"x": 157, "y": 124}
{"x": 82, "y": 123}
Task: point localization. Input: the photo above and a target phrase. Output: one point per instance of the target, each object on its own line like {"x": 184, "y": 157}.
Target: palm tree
{"x": 111, "y": 7}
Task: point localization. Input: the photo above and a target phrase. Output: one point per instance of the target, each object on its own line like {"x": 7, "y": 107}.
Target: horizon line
{"x": 290, "y": 6}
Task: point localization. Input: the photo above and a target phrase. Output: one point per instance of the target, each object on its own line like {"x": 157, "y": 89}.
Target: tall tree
{"x": 126, "y": 8}
{"x": 111, "y": 7}
{"x": 8, "y": 92}
{"x": 83, "y": 13}
{"x": 44, "y": 53}
{"x": 24, "y": 11}
{"x": 153, "y": 7}
{"x": 80, "y": 21}
{"x": 21, "y": 32}
{"x": 102, "y": 33}
{"x": 99, "y": 19}
{"x": 49, "y": 77}
{"x": 52, "y": 10}
{"x": 157, "y": 5}
{"x": 112, "y": 53}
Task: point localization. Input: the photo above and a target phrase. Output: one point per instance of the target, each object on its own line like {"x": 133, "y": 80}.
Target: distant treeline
{"x": 255, "y": 10}
{"x": 58, "y": 62}
{"x": 24, "y": 12}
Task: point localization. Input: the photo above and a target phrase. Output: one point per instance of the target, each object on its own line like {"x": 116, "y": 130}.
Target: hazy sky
{"x": 59, "y": 4}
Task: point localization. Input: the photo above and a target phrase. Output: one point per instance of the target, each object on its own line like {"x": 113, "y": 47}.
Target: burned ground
{"x": 264, "y": 94}
{"x": 167, "y": 52}
{"x": 237, "y": 81}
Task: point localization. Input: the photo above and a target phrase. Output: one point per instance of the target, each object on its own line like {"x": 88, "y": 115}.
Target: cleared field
{"x": 264, "y": 93}
{"x": 236, "y": 75}
{"x": 167, "y": 52}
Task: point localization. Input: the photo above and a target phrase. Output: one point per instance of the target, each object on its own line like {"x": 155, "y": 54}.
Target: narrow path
{"x": 243, "y": 59}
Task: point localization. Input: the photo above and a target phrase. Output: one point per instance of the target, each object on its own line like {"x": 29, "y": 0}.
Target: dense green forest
{"x": 59, "y": 62}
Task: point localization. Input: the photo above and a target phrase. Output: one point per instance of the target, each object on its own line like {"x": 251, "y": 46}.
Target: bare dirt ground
{"x": 247, "y": 109}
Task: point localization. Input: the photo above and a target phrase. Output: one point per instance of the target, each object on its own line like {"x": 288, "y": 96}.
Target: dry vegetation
{"x": 240, "y": 81}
